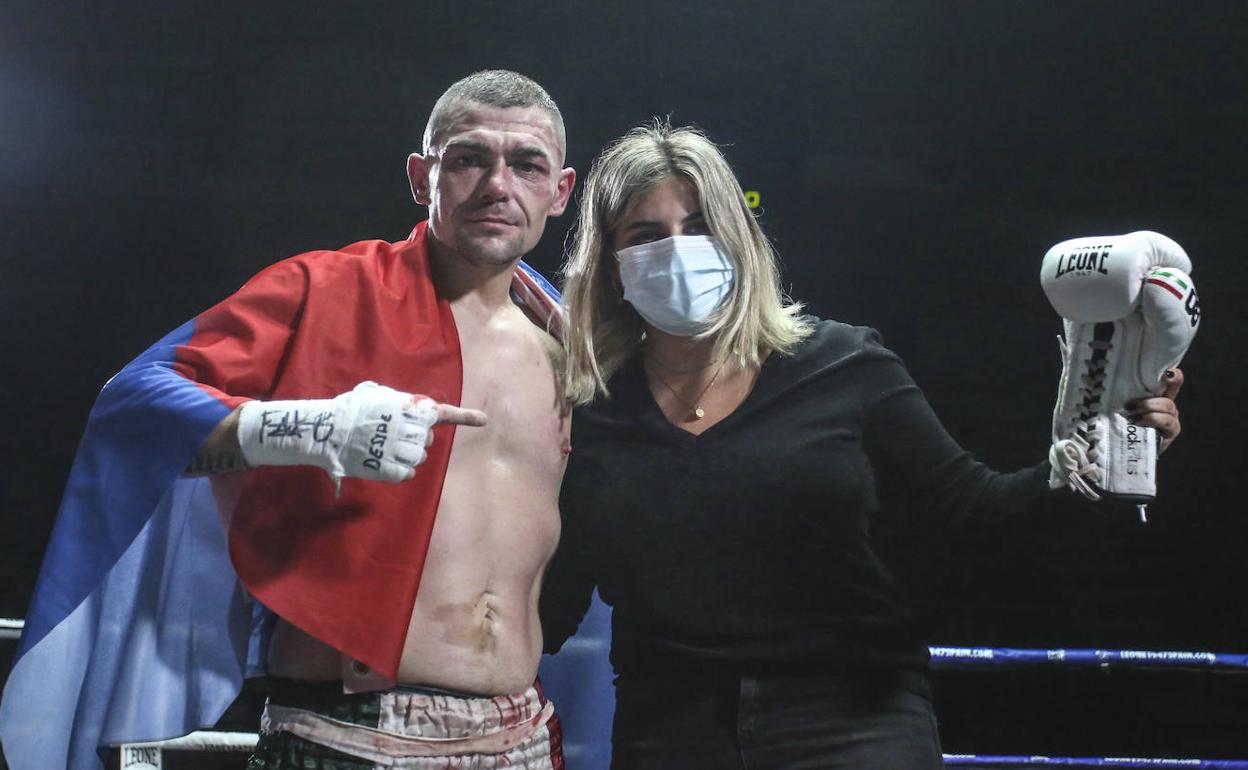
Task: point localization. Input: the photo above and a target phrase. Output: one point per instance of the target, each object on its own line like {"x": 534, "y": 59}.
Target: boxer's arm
{"x": 220, "y": 452}
{"x": 371, "y": 432}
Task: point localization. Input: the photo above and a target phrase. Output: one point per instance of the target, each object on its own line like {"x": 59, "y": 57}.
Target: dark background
{"x": 914, "y": 161}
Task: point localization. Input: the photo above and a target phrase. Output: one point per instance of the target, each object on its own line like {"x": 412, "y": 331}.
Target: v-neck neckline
{"x": 652, "y": 415}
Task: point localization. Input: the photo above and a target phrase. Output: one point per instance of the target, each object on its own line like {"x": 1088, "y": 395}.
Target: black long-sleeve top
{"x": 749, "y": 546}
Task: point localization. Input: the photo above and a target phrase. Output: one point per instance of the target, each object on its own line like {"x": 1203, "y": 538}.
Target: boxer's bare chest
{"x": 510, "y": 372}
{"x": 474, "y": 625}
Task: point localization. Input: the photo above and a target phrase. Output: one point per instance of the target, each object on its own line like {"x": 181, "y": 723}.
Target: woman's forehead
{"x": 668, "y": 196}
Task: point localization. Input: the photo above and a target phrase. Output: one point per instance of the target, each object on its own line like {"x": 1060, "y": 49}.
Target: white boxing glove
{"x": 1130, "y": 311}
{"x": 372, "y": 432}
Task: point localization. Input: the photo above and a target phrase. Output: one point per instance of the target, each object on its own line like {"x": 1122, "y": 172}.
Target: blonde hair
{"x": 604, "y": 331}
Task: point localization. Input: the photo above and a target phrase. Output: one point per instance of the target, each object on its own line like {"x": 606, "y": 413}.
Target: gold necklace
{"x": 654, "y": 360}
{"x": 696, "y": 410}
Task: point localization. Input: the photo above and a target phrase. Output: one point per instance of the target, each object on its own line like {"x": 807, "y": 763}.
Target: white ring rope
{"x": 209, "y": 741}
{"x": 10, "y": 628}
{"x": 204, "y": 740}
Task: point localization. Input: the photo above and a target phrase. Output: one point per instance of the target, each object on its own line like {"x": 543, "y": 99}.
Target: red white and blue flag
{"x": 148, "y": 610}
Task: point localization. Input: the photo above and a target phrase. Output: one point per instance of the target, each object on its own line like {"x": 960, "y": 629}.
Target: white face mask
{"x": 676, "y": 283}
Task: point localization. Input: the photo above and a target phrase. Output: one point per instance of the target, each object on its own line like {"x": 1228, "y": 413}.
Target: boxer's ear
{"x": 563, "y": 191}
{"x": 418, "y": 176}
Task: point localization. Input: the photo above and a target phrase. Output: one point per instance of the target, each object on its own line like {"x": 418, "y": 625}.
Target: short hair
{"x": 494, "y": 88}
{"x": 604, "y": 331}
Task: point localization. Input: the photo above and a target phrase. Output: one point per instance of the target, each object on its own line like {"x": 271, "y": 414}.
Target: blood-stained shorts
{"x": 315, "y": 726}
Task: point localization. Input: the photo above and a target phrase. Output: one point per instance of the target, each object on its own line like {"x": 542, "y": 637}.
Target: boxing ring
{"x": 584, "y": 655}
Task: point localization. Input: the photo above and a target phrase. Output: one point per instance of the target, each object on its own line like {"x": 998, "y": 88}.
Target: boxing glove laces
{"x": 1129, "y": 310}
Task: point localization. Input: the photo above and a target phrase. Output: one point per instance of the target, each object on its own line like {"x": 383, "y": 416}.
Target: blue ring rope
{"x": 973, "y": 760}
{"x": 1008, "y": 656}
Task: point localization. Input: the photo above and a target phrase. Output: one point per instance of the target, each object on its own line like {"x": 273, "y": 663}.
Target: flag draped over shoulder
{"x": 141, "y": 625}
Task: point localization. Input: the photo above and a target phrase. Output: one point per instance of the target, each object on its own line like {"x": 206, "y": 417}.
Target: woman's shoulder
{"x": 832, "y": 341}
{"x": 832, "y": 348}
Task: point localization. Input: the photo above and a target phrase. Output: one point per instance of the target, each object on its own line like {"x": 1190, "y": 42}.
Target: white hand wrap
{"x": 372, "y": 432}
{"x": 1130, "y": 311}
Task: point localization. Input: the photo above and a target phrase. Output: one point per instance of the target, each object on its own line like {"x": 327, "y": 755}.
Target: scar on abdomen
{"x": 472, "y": 626}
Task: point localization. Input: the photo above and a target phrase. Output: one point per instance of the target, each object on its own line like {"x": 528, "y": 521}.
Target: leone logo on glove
{"x": 1083, "y": 259}
{"x": 1129, "y": 311}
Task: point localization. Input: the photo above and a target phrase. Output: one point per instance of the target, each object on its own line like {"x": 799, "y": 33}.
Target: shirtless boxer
{"x": 491, "y": 173}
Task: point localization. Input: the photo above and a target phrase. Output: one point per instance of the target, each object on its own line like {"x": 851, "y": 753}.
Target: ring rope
{"x": 204, "y": 740}
{"x": 972, "y": 760}
{"x": 10, "y": 628}
{"x": 945, "y": 656}
{"x": 942, "y": 657}
{"x": 210, "y": 741}
{"x": 1009, "y": 656}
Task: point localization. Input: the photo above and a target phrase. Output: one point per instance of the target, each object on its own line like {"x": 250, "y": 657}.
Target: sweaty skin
{"x": 474, "y": 627}
{"x": 490, "y": 182}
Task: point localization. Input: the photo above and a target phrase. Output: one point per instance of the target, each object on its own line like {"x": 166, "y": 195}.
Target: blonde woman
{"x": 727, "y": 451}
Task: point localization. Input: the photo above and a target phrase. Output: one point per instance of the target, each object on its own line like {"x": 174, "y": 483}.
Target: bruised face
{"x": 490, "y": 180}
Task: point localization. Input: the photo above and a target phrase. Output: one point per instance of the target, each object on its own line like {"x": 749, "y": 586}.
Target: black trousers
{"x": 776, "y": 721}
